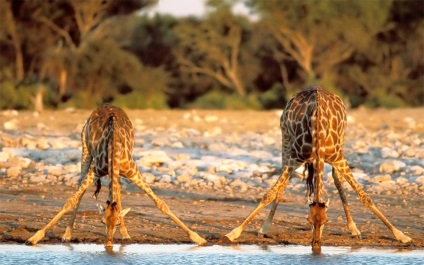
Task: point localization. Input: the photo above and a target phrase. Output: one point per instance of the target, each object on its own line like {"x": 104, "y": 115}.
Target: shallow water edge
{"x": 192, "y": 254}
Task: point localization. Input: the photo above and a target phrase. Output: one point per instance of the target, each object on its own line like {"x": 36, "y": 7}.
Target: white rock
{"x": 149, "y": 177}
{"x": 11, "y": 125}
{"x": 269, "y": 140}
{"x": 13, "y": 172}
{"x": 184, "y": 178}
{"x": 417, "y": 170}
{"x": 381, "y": 178}
{"x": 402, "y": 180}
{"x": 391, "y": 166}
{"x": 24, "y": 162}
{"x": 387, "y": 152}
{"x": 211, "y": 118}
{"x": 56, "y": 170}
{"x": 160, "y": 141}
{"x": 153, "y": 158}
{"x": 166, "y": 179}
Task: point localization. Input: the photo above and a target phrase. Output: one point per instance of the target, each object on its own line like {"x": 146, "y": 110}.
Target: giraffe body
{"x": 313, "y": 127}
{"x": 107, "y": 144}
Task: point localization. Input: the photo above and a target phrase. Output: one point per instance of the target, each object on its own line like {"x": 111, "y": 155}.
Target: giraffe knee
{"x": 268, "y": 197}
{"x": 162, "y": 206}
{"x": 366, "y": 200}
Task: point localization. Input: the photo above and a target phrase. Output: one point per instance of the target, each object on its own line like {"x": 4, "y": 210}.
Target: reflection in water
{"x": 192, "y": 254}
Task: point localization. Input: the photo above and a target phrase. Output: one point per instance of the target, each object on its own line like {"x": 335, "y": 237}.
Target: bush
{"x": 137, "y": 100}
{"x": 12, "y": 97}
{"x": 220, "y": 100}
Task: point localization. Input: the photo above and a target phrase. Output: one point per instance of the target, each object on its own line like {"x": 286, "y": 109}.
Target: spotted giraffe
{"x": 107, "y": 144}
{"x": 313, "y": 127}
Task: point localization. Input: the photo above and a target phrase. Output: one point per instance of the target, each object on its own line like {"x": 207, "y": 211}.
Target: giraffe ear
{"x": 124, "y": 212}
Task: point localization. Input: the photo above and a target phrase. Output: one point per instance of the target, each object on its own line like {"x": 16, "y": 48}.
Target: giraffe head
{"x": 317, "y": 217}
{"x": 111, "y": 219}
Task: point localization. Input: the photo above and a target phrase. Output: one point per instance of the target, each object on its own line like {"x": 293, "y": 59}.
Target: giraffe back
{"x": 299, "y": 126}
{"x": 97, "y": 136}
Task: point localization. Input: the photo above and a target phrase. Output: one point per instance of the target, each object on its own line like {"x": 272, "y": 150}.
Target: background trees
{"x": 81, "y": 53}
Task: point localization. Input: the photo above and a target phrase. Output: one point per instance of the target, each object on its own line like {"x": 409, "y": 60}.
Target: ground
{"x": 210, "y": 212}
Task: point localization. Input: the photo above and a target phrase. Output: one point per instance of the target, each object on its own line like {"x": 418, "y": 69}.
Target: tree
{"x": 212, "y": 47}
{"x": 319, "y": 35}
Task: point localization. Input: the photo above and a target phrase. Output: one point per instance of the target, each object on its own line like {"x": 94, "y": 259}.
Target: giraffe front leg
{"x": 266, "y": 200}
{"x": 70, "y": 203}
{"x": 263, "y": 232}
{"x": 135, "y": 176}
{"x": 343, "y": 168}
{"x": 350, "y": 223}
{"x": 86, "y": 160}
{"x": 68, "y": 231}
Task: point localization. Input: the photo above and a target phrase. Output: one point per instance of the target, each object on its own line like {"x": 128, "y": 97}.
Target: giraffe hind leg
{"x": 350, "y": 223}
{"x": 344, "y": 170}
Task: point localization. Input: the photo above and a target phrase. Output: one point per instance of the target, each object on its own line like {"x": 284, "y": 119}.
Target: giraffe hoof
{"x": 262, "y": 235}
{"x": 224, "y": 241}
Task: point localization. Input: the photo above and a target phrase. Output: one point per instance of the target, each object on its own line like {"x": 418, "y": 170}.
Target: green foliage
{"x": 83, "y": 54}
{"x": 219, "y": 100}
{"x": 134, "y": 100}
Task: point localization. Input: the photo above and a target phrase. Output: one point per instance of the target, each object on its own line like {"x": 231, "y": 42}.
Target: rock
{"x": 24, "y": 162}
{"x": 401, "y": 180}
{"x": 213, "y": 132}
{"x": 56, "y": 170}
{"x": 13, "y": 172}
{"x": 37, "y": 179}
{"x": 268, "y": 140}
{"x": 391, "y": 166}
{"x": 420, "y": 180}
{"x": 239, "y": 184}
{"x": 166, "y": 179}
{"x": 160, "y": 141}
{"x": 11, "y": 125}
{"x": 417, "y": 170}
{"x": 153, "y": 158}
{"x": 149, "y": 177}
{"x": 177, "y": 144}
{"x": 184, "y": 178}
{"x": 387, "y": 152}
{"x": 211, "y": 118}
{"x": 381, "y": 178}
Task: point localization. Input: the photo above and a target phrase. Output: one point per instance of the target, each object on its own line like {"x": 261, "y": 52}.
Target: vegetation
{"x": 78, "y": 53}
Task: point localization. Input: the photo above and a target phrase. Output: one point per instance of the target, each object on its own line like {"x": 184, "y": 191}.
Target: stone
{"x": 381, "y": 178}
{"x": 417, "y": 170}
{"x": 211, "y": 118}
{"x": 13, "y": 172}
{"x": 154, "y": 158}
{"x": 184, "y": 178}
{"x": 387, "y": 152}
{"x": 391, "y": 166}
{"x": 11, "y": 124}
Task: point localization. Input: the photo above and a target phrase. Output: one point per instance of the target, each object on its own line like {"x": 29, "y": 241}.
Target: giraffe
{"x": 313, "y": 127}
{"x": 107, "y": 144}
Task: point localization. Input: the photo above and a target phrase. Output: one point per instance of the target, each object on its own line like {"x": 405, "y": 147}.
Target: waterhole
{"x": 191, "y": 254}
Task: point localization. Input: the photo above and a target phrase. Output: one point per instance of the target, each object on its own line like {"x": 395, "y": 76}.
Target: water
{"x": 190, "y": 254}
